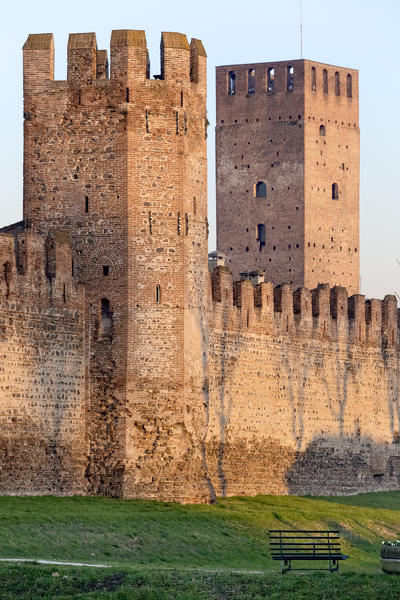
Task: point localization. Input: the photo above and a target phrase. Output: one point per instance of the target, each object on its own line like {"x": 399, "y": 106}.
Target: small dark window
{"x": 127, "y": 94}
{"x": 337, "y": 83}
{"x": 86, "y": 204}
{"x": 105, "y": 270}
{"x": 176, "y": 122}
{"x": 313, "y": 79}
{"x": 325, "y": 81}
{"x": 146, "y": 116}
{"x": 349, "y": 86}
{"x": 79, "y": 97}
{"x": 150, "y": 223}
{"x": 335, "y": 191}
{"x": 158, "y": 294}
{"x": 271, "y": 80}
{"x": 178, "y": 224}
{"x": 261, "y": 235}
{"x": 290, "y": 79}
{"x": 322, "y": 130}
{"x": 181, "y": 98}
{"x": 260, "y": 190}
{"x": 251, "y": 81}
{"x": 231, "y": 83}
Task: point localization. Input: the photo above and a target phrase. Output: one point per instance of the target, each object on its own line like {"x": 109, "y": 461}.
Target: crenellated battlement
{"x": 181, "y": 62}
{"x": 323, "y": 312}
{"x": 36, "y": 269}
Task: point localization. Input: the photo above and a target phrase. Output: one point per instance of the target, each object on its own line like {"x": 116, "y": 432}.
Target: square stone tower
{"x": 287, "y": 152}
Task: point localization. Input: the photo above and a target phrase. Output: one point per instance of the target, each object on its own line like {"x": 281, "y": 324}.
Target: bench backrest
{"x": 307, "y": 543}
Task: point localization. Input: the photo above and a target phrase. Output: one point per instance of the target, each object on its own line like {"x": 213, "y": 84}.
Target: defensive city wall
{"x": 42, "y": 367}
{"x": 304, "y": 390}
{"x": 127, "y": 367}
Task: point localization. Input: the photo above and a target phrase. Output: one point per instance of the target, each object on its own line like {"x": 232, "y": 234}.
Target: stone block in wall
{"x": 302, "y": 307}
{"x": 222, "y": 286}
{"x": 321, "y": 309}
{"x": 357, "y": 318}
{"x": 373, "y": 317}
{"x": 339, "y": 311}
{"x": 389, "y": 321}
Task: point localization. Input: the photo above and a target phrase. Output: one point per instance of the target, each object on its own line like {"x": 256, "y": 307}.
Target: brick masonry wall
{"x": 120, "y": 163}
{"x": 127, "y": 371}
{"x": 272, "y": 135}
{"x": 42, "y": 373}
{"x": 304, "y": 391}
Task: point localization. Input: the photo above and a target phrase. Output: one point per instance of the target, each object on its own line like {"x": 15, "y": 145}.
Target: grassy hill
{"x": 192, "y": 544}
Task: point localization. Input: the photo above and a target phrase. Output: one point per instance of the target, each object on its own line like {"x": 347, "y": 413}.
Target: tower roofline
{"x": 281, "y": 62}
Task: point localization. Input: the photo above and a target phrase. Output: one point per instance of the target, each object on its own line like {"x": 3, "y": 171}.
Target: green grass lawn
{"x": 164, "y": 550}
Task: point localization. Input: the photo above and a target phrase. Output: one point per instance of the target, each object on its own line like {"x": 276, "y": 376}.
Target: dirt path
{"x": 52, "y": 562}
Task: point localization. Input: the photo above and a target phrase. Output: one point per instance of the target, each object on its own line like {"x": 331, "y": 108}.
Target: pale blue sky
{"x": 362, "y": 34}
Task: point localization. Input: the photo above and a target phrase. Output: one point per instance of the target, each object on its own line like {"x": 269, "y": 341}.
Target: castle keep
{"x": 128, "y": 368}
{"x": 288, "y": 172}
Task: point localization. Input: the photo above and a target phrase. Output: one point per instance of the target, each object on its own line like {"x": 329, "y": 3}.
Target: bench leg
{"x": 285, "y": 566}
{"x": 334, "y": 567}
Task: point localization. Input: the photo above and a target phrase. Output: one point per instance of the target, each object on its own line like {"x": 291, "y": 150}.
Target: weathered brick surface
{"x": 274, "y": 137}
{"x": 304, "y": 396}
{"x": 125, "y": 370}
{"x": 42, "y": 370}
{"x": 120, "y": 163}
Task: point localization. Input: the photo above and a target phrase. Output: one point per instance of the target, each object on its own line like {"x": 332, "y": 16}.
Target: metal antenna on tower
{"x": 301, "y": 28}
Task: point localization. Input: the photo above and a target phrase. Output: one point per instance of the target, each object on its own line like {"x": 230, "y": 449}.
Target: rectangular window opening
{"x": 106, "y": 270}
{"x": 158, "y": 294}
{"x": 186, "y": 224}
{"x": 86, "y": 204}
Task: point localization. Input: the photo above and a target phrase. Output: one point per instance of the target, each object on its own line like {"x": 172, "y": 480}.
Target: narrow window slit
{"x": 231, "y": 83}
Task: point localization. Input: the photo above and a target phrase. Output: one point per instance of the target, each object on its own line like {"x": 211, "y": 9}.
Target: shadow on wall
{"x": 345, "y": 465}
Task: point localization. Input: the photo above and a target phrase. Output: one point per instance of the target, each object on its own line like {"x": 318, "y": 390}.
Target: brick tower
{"x": 119, "y": 161}
{"x": 287, "y": 149}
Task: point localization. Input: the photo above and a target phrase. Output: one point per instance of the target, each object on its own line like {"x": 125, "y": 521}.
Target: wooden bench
{"x": 288, "y": 546}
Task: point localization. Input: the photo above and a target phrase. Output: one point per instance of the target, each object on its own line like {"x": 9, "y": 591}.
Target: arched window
{"x": 260, "y": 190}
{"x": 325, "y": 81}
{"x": 271, "y": 80}
{"x": 290, "y": 78}
{"x": 349, "y": 86}
{"x": 251, "y": 81}
{"x": 106, "y": 318}
{"x": 337, "y": 84}
{"x": 313, "y": 79}
{"x": 322, "y": 130}
{"x": 261, "y": 235}
{"x": 335, "y": 191}
{"x": 231, "y": 83}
